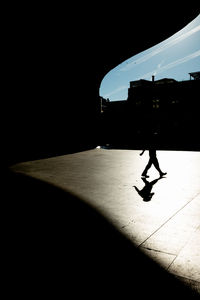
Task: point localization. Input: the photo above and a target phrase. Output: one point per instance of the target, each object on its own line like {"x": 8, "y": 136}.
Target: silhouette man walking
{"x": 152, "y": 161}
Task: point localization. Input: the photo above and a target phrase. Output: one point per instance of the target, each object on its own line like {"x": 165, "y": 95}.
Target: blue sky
{"x": 175, "y": 57}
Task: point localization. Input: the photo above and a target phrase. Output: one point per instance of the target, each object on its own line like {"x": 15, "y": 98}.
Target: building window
{"x": 156, "y": 103}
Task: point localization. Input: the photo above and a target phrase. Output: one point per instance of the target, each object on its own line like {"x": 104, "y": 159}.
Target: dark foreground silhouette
{"x": 55, "y": 244}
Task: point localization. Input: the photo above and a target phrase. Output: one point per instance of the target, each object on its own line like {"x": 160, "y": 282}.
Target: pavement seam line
{"x": 158, "y": 251}
{"x": 172, "y": 261}
{"x": 140, "y": 245}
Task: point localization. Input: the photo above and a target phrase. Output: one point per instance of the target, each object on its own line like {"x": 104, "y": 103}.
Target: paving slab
{"x": 178, "y": 229}
{"x": 187, "y": 263}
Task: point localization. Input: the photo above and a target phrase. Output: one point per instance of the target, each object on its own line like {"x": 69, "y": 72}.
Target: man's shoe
{"x": 163, "y": 174}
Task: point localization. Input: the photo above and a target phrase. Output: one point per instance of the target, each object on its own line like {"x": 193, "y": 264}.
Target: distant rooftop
{"x": 195, "y": 75}
{"x": 140, "y": 82}
{"x": 144, "y": 82}
{"x": 165, "y": 80}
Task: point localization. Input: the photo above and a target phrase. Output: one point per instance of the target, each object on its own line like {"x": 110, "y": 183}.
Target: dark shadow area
{"x": 145, "y": 192}
{"x": 54, "y": 66}
{"x": 54, "y": 244}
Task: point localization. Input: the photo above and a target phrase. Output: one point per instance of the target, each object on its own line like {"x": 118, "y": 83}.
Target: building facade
{"x": 168, "y": 107}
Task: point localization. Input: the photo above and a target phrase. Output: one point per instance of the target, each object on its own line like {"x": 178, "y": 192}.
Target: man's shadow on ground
{"x": 145, "y": 192}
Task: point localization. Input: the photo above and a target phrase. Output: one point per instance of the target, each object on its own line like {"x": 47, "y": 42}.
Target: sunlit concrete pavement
{"x": 167, "y": 228}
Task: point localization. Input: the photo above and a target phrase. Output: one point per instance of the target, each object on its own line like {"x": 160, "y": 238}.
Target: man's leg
{"x": 148, "y": 166}
{"x": 156, "y": 164}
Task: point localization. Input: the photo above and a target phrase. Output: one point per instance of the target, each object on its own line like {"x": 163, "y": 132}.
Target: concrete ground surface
{"x": 165, "y": 227}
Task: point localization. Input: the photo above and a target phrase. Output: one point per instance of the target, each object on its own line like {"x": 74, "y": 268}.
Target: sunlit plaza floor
{"x": 167, "y": 227}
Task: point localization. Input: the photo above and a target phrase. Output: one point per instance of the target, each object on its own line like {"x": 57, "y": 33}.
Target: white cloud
{"x": 180, "y": 61}
{"x": 119, "y": 89}
{"x": 172, "y": 64}
{"x": 157, "y": 70}
{"x": 158, "y": 67}
{"x": 161, "y": 48}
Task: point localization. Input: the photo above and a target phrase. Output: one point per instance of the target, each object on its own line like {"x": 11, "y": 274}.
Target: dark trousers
{"x": 152, "y": 161}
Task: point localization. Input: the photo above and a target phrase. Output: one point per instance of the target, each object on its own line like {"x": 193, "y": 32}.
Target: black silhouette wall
{"x": 54, "y": 65}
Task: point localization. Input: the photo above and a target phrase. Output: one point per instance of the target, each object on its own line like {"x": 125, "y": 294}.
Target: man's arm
{"x": 142, "y": 152}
